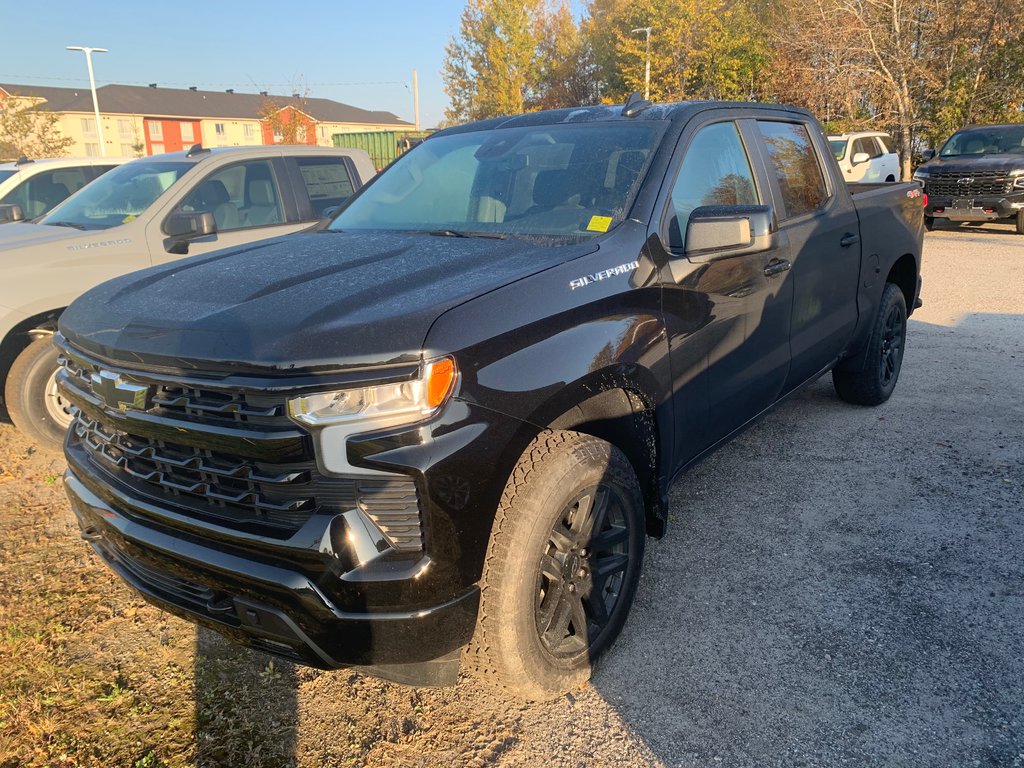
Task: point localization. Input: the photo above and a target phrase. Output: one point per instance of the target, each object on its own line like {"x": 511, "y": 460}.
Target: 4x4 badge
{"x": 118, "y": 393}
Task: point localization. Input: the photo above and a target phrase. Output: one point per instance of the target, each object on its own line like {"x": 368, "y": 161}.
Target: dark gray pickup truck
{"x": 438, "y": 430}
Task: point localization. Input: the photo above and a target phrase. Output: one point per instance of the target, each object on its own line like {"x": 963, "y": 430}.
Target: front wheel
{"x": 33, "y": 401}
{"x": 562, "y": 566}
{"x": 875, "y": 381}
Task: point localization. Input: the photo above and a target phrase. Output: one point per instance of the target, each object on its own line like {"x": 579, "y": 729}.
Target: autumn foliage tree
{"x": 27, "y": 129}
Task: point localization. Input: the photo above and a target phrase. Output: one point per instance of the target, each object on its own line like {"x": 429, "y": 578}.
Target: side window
{"x": 796, "y": 165}
{"x": 887, "y": 145}
{"x": 715, "y": 171}
{"x": 43, "y": 191}
{"x": 239, "y": 196}
{"x": 327, "y": 181}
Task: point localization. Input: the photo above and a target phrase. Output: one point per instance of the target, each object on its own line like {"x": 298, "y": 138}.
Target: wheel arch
{"x": 903, "y": 273}
{"x": 23, "y": 334}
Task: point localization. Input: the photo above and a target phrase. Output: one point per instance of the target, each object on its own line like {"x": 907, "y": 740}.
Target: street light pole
{"x": 647, "y": 62}
{"x": 92, "y": 85}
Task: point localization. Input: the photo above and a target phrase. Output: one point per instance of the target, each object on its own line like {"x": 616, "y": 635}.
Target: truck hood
{"x": 21, "y": 234}
{"x": 998, "y": 163}
{"x": 314, "y": 301}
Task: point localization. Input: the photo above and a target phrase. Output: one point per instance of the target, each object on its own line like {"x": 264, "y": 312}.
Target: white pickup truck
{"x": 866, "y": 157}
{"x": 143, "y": 213}
{"x": 31, "y": 188}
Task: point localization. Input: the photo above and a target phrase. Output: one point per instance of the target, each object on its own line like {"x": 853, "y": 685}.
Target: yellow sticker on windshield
{"x": 599, "y": 223}
{"x": 129, "y": 218}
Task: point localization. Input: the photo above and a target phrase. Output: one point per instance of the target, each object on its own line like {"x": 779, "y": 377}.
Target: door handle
{"x": 776, "y": 267}
{"x": 849, "y": 239}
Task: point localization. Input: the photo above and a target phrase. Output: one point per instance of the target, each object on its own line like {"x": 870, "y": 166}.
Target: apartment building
{"x": 141, "y": 120}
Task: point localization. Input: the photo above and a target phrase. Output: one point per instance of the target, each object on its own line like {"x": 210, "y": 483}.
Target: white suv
{"x": 36, "y": 186}
{"x": 866, "y": 156}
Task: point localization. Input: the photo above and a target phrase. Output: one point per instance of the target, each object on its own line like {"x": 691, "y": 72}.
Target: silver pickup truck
{"x": 142, "y": 214}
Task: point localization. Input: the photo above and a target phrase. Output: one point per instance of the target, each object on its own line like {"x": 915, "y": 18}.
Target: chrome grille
{"x": 950, "y": 184}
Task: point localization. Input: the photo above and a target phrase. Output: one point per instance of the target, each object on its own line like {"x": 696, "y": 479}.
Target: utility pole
{"x": 647, "y": 62}
{"x": 92, "y": 86}
{"x": 416, "y": 97}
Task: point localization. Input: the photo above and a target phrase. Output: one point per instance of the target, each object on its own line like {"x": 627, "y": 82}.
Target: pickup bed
{"x": 439, "y": 429}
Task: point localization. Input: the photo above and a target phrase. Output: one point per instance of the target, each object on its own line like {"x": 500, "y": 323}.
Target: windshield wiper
{"x": 71, "y": 224}
{"x": 457, "y": 233}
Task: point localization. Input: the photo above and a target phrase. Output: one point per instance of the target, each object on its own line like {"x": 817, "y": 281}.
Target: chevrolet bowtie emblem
{"x": 965, "y": 180}
{"x": 118, "y": 393}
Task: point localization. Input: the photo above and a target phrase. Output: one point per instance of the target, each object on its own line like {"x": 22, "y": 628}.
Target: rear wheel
{"x": 35, "y": 404}
{"x": 876, "y": 380}
{"x": 562, "y": 566}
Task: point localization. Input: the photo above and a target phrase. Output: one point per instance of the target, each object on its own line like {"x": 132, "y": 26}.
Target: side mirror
{"x": 720, "y": 231}
{"x": 184, "y": 227}
{"x": 860, "y": 157}
{"x": 9, "y": 213}
{"x": 927, "y": 155}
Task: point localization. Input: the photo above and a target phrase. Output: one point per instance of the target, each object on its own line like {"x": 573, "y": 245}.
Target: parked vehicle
{"x": 866, "y": 156}
{"x": 977, "y": 176}
{"x": 30, "y": 188}
{"x": 148, "y": 211}
{"x": 453, "y": 415}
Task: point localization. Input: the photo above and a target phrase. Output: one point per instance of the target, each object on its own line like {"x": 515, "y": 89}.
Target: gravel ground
{"x": 839, "y": 586}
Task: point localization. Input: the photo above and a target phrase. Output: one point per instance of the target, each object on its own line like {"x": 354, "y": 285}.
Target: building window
{"x": 219, "y": 129}
{"x": 187, "y": 133}
{"x": 300, "y": 134}
{"x": 124, "y": 129}
{"x": 88, "y": 126}
{"x": 278, "y": 136}
{"x": 250, "y": 131}
{"x": 92, "y": 149}
{"x": 323, "y": 132}
{"x": 158, "y": 149}
{"x": 156, "y": 131}
{"x": 127, "y": 150}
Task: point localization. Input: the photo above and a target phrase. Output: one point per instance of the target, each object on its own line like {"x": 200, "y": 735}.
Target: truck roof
{"x": 196, "y": 155}
{"x": 856, "y": 135}
{"x": 682, "y": 111}
{"x": 60, "y": 162}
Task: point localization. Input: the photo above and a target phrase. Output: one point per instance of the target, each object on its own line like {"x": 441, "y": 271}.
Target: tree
{"x": 287, "y": 119}
{"x": 700, "y": 49}
{"x": 28, "y": 129}
{"x": 567, "y": 74}
{"x": 491, "y": 67}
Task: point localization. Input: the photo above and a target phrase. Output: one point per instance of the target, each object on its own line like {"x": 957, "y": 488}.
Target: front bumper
{"x": 984, "y": 208}
{"x": 265, "y": 604}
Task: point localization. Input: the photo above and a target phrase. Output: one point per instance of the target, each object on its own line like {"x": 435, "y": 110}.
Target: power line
{"x": 210, "y": 85}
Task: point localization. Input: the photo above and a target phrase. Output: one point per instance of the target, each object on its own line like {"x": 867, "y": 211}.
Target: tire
{"x": 929, "y": 223}
{"x": 890, "y": 178}
{"x": 875, "y": 382}
{"x": 32, "y": 399}
{"x": 1020, "y": 222}
{"x": 539, "y": 581}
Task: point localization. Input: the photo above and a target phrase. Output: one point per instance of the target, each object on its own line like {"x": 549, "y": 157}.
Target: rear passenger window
{"x": 715, "y": 171}
{"x": 327, "y": 181}
{"x": 796, "y": 165}
{"x": 240, "y": 196}
{"x": 43, "y": 191}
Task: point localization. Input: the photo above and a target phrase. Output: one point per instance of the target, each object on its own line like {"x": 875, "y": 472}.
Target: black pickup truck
{"x": 977, "y": 176}
{"x": 438, "y": 430}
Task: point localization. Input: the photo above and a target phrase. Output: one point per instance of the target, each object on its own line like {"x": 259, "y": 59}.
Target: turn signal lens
{"x": 440, "y": 381}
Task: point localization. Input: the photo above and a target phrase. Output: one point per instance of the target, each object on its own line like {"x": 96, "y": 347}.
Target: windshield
{"x": 985, "y": 141}
{"x": 575, "y": 180}
{"x": 838, "y": 147}
{"x": 117, "y": 196}
{"x": 4, "y": 175}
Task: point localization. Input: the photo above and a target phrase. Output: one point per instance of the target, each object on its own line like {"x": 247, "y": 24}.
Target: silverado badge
{"x": 118, "y": 393}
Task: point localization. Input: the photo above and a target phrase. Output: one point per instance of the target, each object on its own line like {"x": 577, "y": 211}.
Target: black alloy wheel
{"x": 892, "y": 345}
{"x": 582, "y": 571}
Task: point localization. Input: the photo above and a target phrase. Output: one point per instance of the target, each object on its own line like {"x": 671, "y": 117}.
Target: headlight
{"x": 919, "y": 175}
{"x": 388, "y": 404}
{"x": 1019, "y": 182}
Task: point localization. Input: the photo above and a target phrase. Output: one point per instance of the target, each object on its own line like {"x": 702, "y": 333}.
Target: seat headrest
{"x": 261, "y": 192}
{"x": 554, "y": 187}
{"x": 213, "y": 192}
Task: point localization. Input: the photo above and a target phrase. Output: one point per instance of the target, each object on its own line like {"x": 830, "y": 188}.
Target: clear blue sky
{"x": 250, "y": 46}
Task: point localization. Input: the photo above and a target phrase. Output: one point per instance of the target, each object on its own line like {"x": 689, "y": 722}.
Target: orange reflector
{"x": 440, "y": 380}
